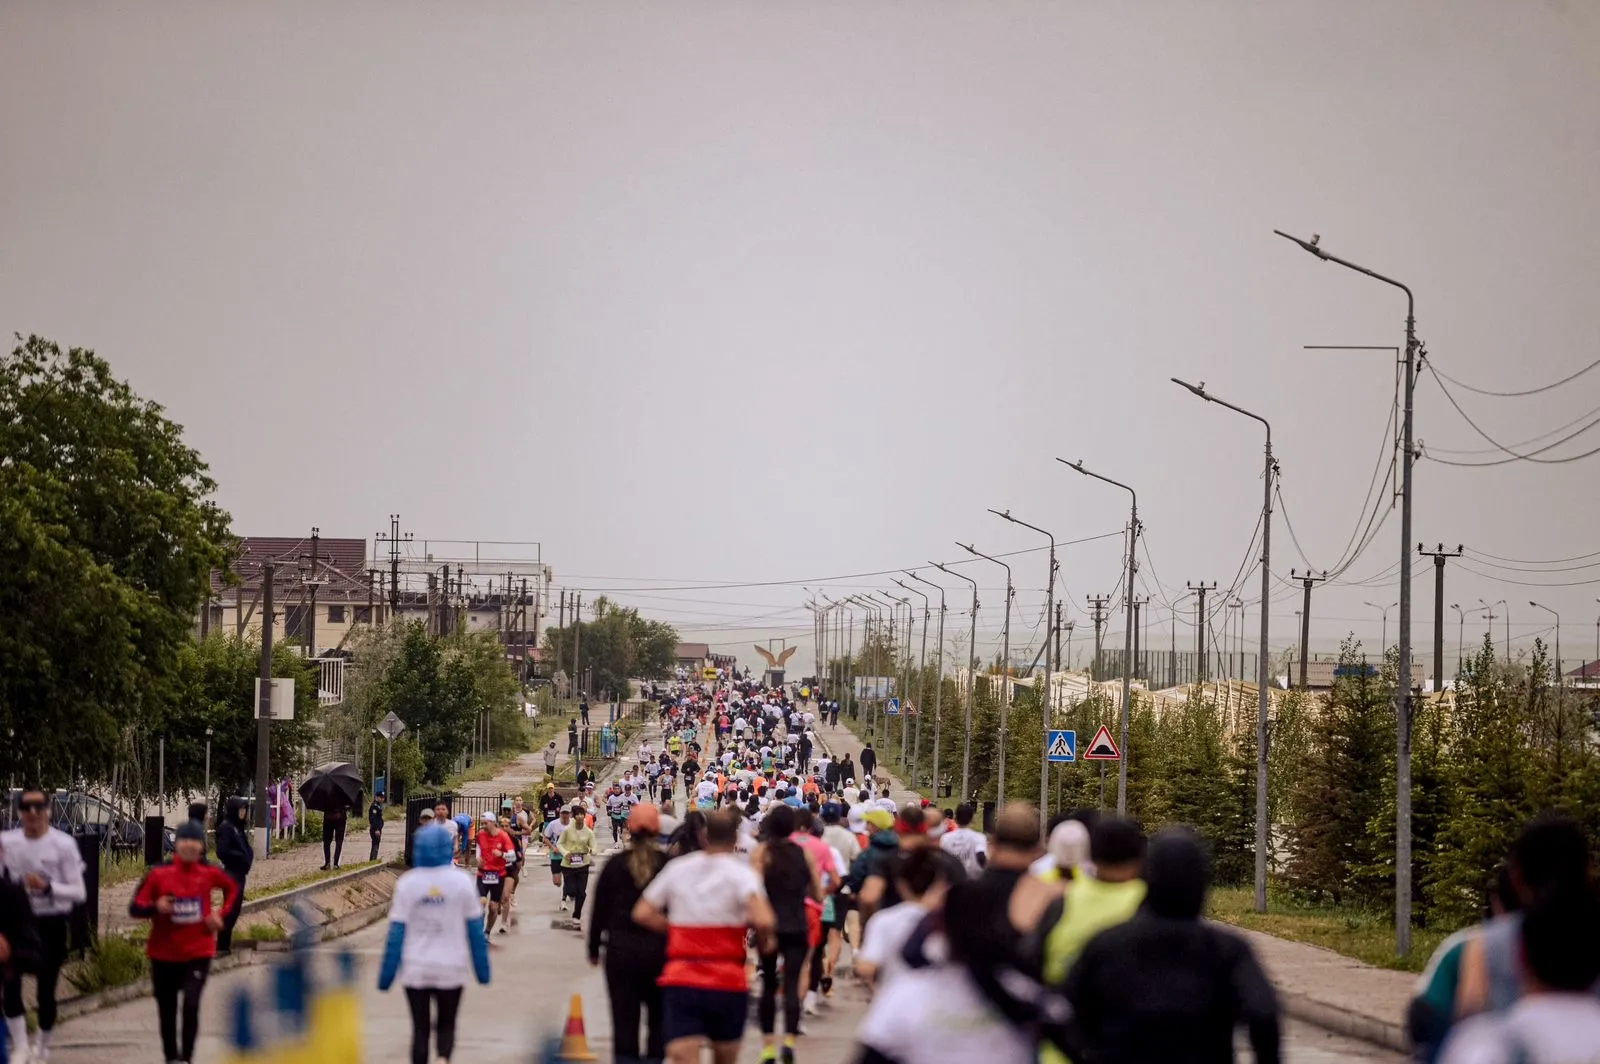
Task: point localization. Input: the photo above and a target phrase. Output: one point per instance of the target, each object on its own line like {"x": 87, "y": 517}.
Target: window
{"x": 335, "y": 614}
{"x": 363, "y": 614}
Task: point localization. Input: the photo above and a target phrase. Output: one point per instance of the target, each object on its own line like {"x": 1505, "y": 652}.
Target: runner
{"x": 176, "y": 899}
{"x": 790, "y": 877}
{"x": 436, "y": 940}
{"x": 577, "y": 855}
{"x": 634, "y": 956}
{"x": 46, "y": 862}
{"x": 552, "y": 836}
{"x": 703, "y": 902}
{"x": 617, "y": 809}
{"x": 495, "y": 852}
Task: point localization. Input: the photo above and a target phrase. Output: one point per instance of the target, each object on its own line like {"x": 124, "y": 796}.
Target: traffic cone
{"x": 574, "y": 1041}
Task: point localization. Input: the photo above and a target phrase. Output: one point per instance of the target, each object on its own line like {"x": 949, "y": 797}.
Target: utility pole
{"x": 1200, "y": 590}
{"x": 577, "y": 641}
{"x": 1005, "y": 668}
{"x": 269, "y": 573}
{"x": 311, "y": 604}
{"x": 1438, "y": 554}
{"x": 1058, "y": 637}
{"x": 394, "y": 539}
{"x": 1138, "y": 634}
{"x": 1097, "y": 612}
{"x": 372, "y": 593}
{"x": 1307, "y": 579}
{"x": 972, "y": 679}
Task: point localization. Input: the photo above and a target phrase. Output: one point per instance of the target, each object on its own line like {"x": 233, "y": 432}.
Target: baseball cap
{"x": 192, "y": 829}
{"x": 506, "y": 804}
{"x": 645, "y": 818}
{"x": 879, "y": 819}
{"x": 427, "y": 814}
{"x": 489, "y": 818}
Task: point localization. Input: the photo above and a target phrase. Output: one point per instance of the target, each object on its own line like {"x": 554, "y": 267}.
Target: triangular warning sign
{"x": 1104, "y": 748}
{"x": 1061, "y": 749}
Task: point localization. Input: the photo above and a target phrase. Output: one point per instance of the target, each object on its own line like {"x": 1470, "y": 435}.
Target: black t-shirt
{"x": 550, "y": 806}
{"x": 375, "y": 816}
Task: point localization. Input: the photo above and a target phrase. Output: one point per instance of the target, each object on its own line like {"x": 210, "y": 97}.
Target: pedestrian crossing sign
{"x": 1104, "y": 748}
{"x": 1063, "y": 746}
{"x": 893, "y": 707}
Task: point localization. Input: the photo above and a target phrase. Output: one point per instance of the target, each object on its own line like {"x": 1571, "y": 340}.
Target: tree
{"x": 108, "y": 537}
{"x": 618, "y": 645}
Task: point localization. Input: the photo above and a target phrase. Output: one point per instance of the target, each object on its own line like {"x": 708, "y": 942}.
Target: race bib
{"x": 489, "y": 878}
{"x": 187, "y": 910}
{"x": 579, "y": 859}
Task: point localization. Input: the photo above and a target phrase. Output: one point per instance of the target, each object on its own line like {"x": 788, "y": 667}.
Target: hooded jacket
{"x": 234, "y": 852}
{"x": 448, "y": 943}
{"x": 1210, "y": 979}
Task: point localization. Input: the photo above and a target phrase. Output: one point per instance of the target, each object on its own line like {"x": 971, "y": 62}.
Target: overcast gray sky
{"x": 728, "y": 292}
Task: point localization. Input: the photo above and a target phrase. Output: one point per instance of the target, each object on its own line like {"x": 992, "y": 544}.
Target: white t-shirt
{"x": 553, "y": 830}
{"x": 706, "y": 790}
{"x": 708, "y": 890}
{"x": 937, "y": 1015}
{"x": 53, "y": 855}
{"x": 885, "y": 939}
{"x": 1547, "y": 1028}
{"x": 435, "y": 905}
{"x": 965, "y": 845}
{"x": 838, "y": 836}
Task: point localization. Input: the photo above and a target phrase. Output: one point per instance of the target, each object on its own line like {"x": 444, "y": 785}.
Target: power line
{"x": 1515, "y": 456}
{"x": 1518, "y": 395}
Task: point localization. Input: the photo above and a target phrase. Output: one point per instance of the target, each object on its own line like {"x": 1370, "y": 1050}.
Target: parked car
{"x": 81, "y": 813}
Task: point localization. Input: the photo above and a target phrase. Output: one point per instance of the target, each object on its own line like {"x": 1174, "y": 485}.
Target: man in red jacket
{"x": 177, "y": 899}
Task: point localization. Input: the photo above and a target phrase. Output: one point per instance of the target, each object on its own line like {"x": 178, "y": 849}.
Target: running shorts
{"x": 555, "y": 863}
{"x": 689, "y": 1012}
{"x": 495, "y": 890}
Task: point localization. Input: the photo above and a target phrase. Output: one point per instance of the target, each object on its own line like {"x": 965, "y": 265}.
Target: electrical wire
{"x": 1517, "y": 395}
{"x": 1515, "y": 455}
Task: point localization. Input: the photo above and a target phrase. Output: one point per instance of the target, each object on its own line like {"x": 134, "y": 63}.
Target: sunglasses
{"x": 32, "y": 807}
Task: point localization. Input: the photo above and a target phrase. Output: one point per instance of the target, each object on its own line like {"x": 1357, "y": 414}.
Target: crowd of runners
{"x": 738, "y": 852}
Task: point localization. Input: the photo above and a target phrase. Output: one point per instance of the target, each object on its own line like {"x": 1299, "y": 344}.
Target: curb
{"x": 1385, "y": 1034}
{"x": 270, "y": 901}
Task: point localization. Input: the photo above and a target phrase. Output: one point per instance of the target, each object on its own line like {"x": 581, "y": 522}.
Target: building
{"x": 697, "y": 656}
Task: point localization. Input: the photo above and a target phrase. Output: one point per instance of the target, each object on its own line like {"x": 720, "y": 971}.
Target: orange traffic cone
{"x": 574, "y": 1041}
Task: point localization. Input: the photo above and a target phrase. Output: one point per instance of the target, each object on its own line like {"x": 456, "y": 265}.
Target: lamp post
{"x": 904, "y": 685}
{"x": 938, "y": 684}
{"x": 922, "y": 667}
{"x": 972, "y": 680}
{"x": 1005, "y": 667}
{"x": 1557, "y": 616}
{"x": 1044, "y": 702}
{"x": 868, "y": 624}
{"x": 1127, "y": 651}
{"x": 1461, "y": 634}
{"x": 1402, "y": 696}
{"x": 1263, "y": 703}
{"x": 1489, "y": 617}
{"x": 1383, "y": 647}
{"x": 207, "y": 791}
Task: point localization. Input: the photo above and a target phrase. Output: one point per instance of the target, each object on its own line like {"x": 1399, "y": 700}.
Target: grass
{"x": 306, "y": 880}
{"x": 115, "y": 960}
{"x": 271, "y": 931}
{"x": 1366, "y": 935}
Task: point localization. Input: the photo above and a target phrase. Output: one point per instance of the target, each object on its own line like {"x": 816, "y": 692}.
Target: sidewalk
{"x": 1317, "y": 986}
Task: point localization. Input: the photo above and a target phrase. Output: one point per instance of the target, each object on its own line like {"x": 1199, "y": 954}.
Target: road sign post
{"x": 390, "y": 727}
{"x": 1063, "y": 746}
{"x": 892, "y": 707}
{"x": 1104, "y": 748}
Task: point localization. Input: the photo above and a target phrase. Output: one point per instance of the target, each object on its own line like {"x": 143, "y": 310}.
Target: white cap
{"x": 489, "y": 818}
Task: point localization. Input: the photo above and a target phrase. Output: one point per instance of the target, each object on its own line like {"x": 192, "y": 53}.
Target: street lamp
{"x": 1263, "y": 704}
{"x": 1049, "y": 614}
{"x": 207, "y": 791}
{"x": 922, "y": 668}
{"x": 1489, "y": 616}
{"x": 1402, "y": 690}
{"x": 1127, "y": 646}
{"x": 972, "y": 679}
{"x": 1005, "y": 666}
{"x": 1383, "y": 647}
{"x": 938, "y": 685}
{"x": 1461, "y": 635}
{"x": 1557, "y": 616}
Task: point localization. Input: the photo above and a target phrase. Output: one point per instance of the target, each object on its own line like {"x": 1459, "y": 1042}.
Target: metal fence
{"x": 1160, "y": 669}
{"x": 473, "y": 805}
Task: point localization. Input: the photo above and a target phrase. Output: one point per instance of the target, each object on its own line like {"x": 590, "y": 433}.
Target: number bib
{"x": 578, "y": 860}
{"x": 187, "y": 910}
{"x": 489, "y": 878}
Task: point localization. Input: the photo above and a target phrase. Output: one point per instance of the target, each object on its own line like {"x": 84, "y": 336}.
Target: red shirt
{"x": 182, "y": 935}
{"x": 492, "y": 850}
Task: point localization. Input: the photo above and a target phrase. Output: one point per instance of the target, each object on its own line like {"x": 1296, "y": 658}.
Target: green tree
{"x": 108, "y": 536}
{"x": 1339, "y": 789}
{"x": 618, "y": 645}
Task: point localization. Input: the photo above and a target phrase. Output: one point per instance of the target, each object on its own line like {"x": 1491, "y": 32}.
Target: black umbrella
{"x": 333, "y": 786}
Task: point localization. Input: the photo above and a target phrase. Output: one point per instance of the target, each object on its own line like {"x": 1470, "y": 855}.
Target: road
{"x": 536, "y": 970}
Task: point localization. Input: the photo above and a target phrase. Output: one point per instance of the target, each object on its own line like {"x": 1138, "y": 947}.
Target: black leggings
{"x": 423, "y": 1024}
{"x": 52, "y": 954}
{"x": 633, "y": 989}
{"x": 575, "y": 884}
{"x": 792, "y": 946}
{"x": 170, "y": 979}
{"x": 231, "y": 918}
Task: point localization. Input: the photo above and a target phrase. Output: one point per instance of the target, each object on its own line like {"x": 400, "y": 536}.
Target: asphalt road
{"x": 537, "y": 968}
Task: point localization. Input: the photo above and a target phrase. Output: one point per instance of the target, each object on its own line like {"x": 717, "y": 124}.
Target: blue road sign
{"x": 893, "y": 707}
{"x": 1063, "y": 746}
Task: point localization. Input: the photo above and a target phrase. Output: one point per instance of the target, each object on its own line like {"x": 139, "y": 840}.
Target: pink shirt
{"x": 822, "y": 853}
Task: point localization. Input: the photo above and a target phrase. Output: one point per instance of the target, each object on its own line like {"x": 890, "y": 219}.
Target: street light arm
{"x": 1200, "y": 390}
{"x": 1078, "y": 465}
{"x": 1312, "y": 246}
